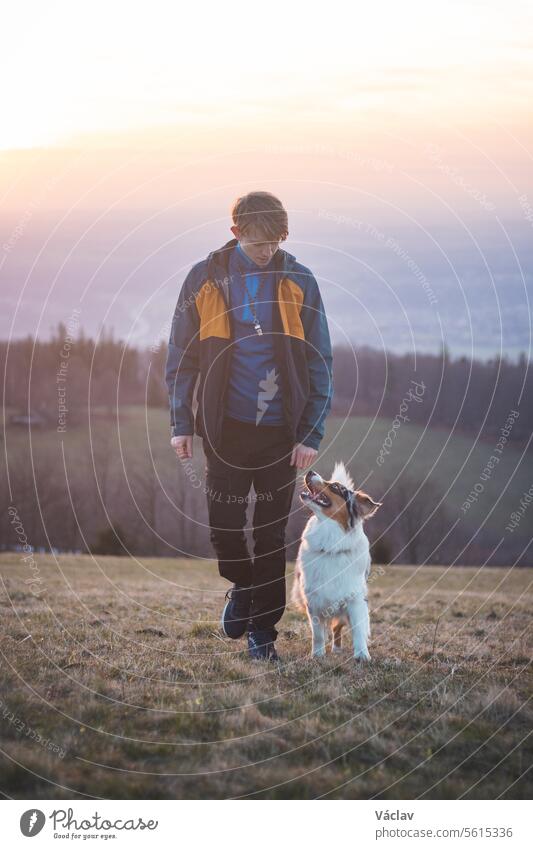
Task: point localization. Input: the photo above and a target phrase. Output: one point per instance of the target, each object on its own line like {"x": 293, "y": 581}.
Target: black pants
{"x": 257, "y": 455}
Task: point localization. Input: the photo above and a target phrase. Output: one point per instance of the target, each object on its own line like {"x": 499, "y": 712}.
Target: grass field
{"x": 116, "y": 683}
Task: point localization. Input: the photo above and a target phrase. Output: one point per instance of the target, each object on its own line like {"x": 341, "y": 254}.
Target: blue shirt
{"x": 254, "y": 388}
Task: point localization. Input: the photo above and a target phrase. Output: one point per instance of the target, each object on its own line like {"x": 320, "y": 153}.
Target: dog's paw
{"x": 362, "y": 656}
{"x": 336, "y": 650}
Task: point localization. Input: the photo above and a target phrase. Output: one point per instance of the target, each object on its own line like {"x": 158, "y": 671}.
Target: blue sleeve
{"x": 319, "y": 359}
{"x": 182, "y": 366}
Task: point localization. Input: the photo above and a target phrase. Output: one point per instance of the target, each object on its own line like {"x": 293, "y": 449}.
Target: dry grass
{"x": 126, "y": 672}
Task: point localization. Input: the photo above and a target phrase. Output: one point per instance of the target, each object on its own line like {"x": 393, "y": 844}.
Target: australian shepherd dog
{"x": 333, "y": 563}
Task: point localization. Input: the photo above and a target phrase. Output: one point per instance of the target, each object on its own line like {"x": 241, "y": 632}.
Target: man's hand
{"x": 182, "y": 445}
{"x": 302, "y": 456}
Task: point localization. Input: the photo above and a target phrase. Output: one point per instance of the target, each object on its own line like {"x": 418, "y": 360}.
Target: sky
{"x": 399, "y": 137}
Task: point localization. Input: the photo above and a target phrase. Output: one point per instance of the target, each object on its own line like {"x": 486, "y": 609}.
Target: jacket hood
{"x": 217, "y": 261}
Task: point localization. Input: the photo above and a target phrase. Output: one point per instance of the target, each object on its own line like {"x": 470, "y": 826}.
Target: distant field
{"x": 116, "y": 683}
{"x": 454, "y": 464}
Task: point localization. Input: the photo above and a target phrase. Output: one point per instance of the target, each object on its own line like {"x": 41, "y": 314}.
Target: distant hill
{"x": 69, "y": 488}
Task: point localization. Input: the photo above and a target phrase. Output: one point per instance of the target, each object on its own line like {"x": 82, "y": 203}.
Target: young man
{"x": 250, "y": 323}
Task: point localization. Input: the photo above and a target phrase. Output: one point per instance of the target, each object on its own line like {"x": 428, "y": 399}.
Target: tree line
{"x": 467, "y": 395}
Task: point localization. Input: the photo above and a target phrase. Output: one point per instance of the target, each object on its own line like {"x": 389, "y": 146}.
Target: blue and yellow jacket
{"x": 201, "y": 340}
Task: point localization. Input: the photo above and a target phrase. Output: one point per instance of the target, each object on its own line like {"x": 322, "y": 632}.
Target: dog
{"x": 333, "y": 562}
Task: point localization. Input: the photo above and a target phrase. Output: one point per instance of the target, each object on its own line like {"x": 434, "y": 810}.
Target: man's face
{"x": 256, "y": 245}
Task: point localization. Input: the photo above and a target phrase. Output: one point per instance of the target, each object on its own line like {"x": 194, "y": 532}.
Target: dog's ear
{"x": 366, "y": 506}
{"x": 341, "y": 475}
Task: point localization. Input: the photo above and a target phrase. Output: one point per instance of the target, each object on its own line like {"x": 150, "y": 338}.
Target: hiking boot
{"x": 261, "y": 645}
{"x": 236, "y": 612}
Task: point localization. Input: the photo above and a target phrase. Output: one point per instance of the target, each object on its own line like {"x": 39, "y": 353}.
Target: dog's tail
{"x": 297, "y": 596}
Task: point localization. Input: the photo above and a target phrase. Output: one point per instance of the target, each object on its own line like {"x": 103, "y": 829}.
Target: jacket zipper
{"x": 279, "y": 274}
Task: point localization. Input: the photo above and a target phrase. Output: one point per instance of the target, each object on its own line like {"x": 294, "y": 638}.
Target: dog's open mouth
{"x": 310, "y": 493}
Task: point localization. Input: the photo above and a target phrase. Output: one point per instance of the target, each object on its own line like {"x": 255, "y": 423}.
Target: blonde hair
{"x": 264, "y": 211}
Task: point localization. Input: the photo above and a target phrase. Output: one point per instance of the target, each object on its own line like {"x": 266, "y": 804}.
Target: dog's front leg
{"x": 360, "y": 626}
{"x": 319, "y": 637}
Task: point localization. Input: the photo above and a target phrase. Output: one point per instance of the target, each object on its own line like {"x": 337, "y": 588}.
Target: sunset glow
{"x": 110, "y": 68}
{"x": 128, "y": 130}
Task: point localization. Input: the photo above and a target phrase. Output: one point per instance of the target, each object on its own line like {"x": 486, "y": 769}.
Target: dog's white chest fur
{"x": 333, "y": 565}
